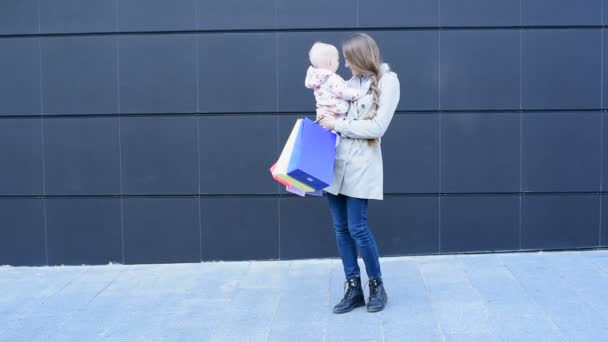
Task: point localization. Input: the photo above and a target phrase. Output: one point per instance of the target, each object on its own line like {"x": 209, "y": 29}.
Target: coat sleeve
{"x": 376, "y": 127}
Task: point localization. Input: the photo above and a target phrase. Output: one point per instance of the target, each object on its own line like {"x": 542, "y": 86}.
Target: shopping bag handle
{"x": 321, "y": 118}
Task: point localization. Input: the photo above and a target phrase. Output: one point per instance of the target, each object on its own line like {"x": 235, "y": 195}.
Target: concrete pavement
{"x": 558, "y": 296}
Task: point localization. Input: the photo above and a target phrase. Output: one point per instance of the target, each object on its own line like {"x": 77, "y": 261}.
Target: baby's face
{"x": 334, "y": 64}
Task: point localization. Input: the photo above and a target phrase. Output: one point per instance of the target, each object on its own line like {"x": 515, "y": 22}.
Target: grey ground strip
{"x": 551, "y": 296}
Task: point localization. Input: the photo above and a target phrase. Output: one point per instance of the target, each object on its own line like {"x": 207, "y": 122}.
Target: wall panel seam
{"x": 295, "y": 30}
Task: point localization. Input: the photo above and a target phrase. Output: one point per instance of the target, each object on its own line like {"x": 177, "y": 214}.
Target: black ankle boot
{"x": 353, "y": 296}
{"x": 377, "y": 296}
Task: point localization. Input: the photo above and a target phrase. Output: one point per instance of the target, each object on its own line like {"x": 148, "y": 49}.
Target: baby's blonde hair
{"x": 322, "y": 54}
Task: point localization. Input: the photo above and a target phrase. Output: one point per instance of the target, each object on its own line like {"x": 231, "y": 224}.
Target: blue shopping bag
{"x": 313, "y": 156}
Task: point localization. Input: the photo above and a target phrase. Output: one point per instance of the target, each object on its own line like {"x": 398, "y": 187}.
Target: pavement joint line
{"x": 140, "y": 283}
{"x": 599, "y": 267}
{"x": 78, "y": 276}
{"x": 106, "y": 286}
{"x": 274, "y": 315}
{"x": 70, "y": 315}
{"x": 532, "y": 299}
{"x": 428, "y": 297}
{"x": 577, "y": 291}
{"x": 30, "y": 308}
{"x": 476, "y": 291}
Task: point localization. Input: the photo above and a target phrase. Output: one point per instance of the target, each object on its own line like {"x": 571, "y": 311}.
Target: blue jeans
{"x": 349, "y": 215}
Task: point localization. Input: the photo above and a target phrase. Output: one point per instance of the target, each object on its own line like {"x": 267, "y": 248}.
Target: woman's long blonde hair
{"x": 363, "y": 55}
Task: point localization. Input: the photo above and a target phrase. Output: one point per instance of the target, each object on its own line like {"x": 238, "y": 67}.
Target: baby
{"x": 331, "y": 91}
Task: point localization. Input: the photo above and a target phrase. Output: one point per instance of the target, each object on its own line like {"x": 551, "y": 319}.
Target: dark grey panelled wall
{"x": 141, "y": 131}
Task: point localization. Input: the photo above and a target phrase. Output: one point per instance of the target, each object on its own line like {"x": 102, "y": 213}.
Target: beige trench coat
{"x": 358, "y": 169}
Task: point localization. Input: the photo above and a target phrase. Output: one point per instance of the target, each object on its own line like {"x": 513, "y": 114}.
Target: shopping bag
{"x": 272, "y": 168}
{"x": 280, "y": 170}
{"x": 318, "y": 193}
{"x": 312, "y": 156}
{"x": 292, "y": 189}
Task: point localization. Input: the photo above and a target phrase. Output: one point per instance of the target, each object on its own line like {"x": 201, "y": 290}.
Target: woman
{"x": 358, "y": 170}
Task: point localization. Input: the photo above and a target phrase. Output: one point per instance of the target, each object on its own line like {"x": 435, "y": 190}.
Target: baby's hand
{"x": 323, "y": 112}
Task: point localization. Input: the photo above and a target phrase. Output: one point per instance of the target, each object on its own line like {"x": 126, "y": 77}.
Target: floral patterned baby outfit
{"x": 331, "y": 91}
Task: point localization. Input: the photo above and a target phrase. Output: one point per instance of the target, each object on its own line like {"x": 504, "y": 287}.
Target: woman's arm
{"x": 376, "y": 127}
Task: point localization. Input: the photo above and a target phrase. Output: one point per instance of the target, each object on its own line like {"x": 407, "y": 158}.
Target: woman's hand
{"x": 329, "y": 122}
{"x": 326, "y": 118}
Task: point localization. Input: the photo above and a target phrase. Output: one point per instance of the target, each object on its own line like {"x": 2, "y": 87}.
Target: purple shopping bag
{"x": 314, "y": 153}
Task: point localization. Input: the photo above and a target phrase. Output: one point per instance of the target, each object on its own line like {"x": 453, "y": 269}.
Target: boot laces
{"x": 349, "y": 286}
{"x": 373, "y": 287}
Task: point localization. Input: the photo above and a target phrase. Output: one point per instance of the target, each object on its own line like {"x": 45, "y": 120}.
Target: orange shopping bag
{"x": 277, "y": 178}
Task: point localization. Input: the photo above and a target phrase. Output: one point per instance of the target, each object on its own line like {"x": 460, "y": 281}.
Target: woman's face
{"x": 353, "y": 70}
